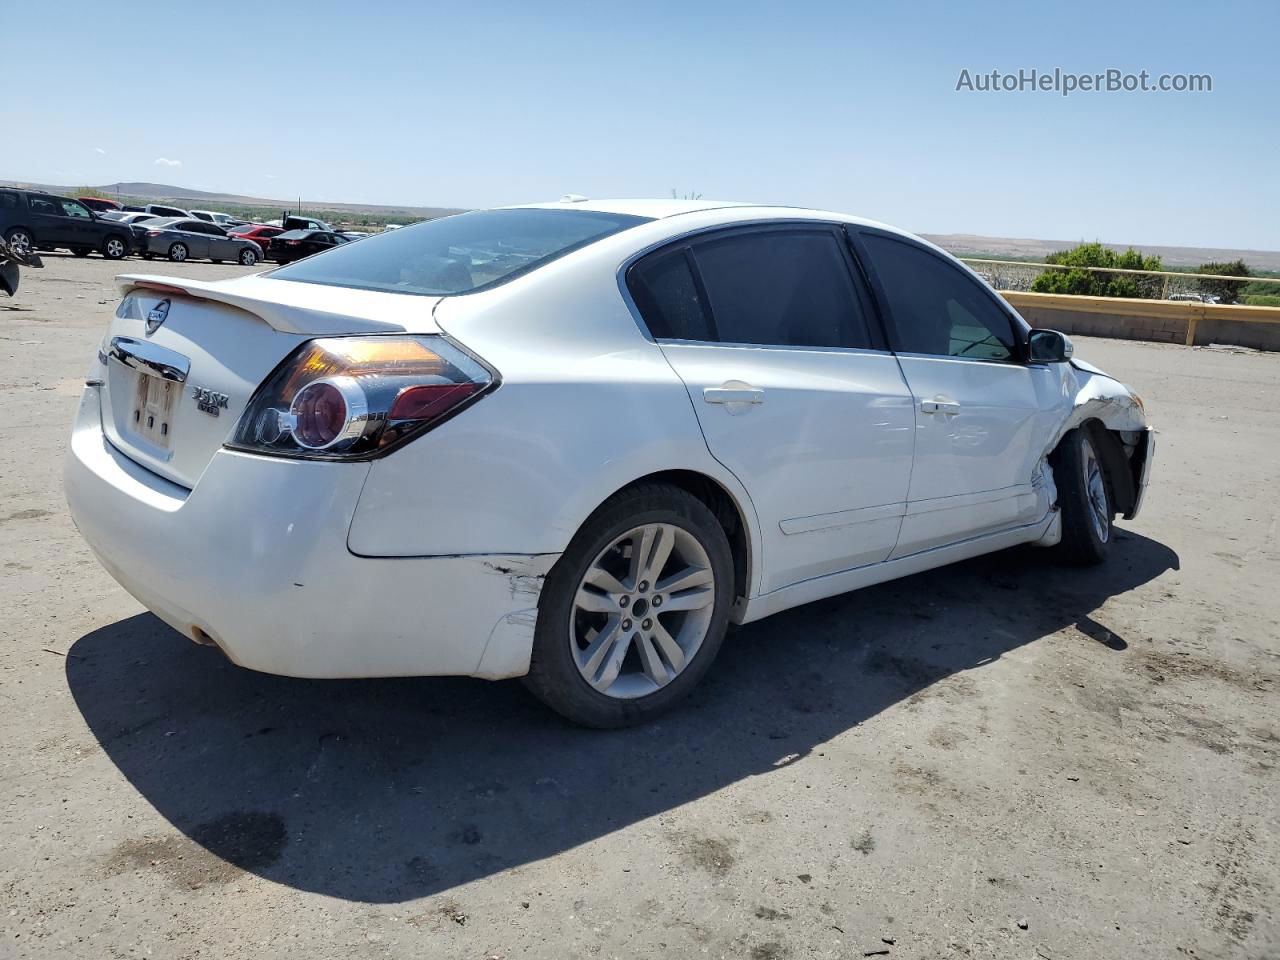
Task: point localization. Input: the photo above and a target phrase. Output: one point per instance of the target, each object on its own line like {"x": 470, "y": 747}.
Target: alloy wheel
{"x": 20, "y": 243}
{"x": 1095, "y": 486}
{"x": 642, "y": 610}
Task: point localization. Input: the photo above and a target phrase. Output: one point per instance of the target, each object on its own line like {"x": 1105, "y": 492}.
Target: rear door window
{"x": 8, "y": 201}
{"x": 43, "y": 206}
{"x": 666, "y": 294}
{"x": 788, "y": 287}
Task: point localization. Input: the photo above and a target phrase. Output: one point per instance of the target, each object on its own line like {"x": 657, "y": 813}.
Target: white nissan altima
{"x": 574, "y": 441}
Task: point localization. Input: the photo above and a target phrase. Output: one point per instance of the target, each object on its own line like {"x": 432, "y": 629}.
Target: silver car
{"x": 185, "y": 239}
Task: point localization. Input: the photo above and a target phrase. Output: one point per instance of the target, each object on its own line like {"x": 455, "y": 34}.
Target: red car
{"x": 259, "y": 234}
{"x": 100, "y": 204}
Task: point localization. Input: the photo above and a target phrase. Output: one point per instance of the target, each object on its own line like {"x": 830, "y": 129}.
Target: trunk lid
{"x": 173, "y": 391}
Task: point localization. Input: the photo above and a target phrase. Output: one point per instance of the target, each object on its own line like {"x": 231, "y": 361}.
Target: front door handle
{"x": 949, "y": 407}
{"x": 733, "y": 395}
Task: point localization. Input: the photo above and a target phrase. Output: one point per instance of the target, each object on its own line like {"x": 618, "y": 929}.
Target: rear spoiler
{"x": 298, "y": 308}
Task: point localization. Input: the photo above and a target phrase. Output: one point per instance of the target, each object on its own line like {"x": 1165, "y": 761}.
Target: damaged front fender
{"x": 1095, "y": 397}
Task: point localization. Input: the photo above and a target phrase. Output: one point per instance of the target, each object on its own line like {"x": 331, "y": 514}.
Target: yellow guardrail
{"x": 1191, "y": 311}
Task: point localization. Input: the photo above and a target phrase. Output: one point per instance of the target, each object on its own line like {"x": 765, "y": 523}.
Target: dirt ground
{"x": 1003, "y": 759}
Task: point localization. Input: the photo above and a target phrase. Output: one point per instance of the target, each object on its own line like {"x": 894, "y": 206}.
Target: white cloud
{"x": 98, "y": 150}
{"x": 166, "y": 162}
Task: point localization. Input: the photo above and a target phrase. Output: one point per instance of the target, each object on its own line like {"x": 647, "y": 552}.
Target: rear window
{"x": 458, "y": 254}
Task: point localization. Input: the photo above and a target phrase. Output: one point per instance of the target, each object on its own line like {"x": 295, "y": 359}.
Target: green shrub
{"x": 1091, "y": 283}
{"x": 1225, "y": 290}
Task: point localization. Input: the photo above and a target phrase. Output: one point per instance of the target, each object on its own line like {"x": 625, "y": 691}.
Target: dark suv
{"x": 42, "y": 221}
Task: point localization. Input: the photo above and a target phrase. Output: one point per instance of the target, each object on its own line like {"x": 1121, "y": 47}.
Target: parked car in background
{"x": 99, "y": 204}
{"x": 180, "y": 239}
{"x": 305, "y": 223}
{"x": 164, "y": 210}
{"x": 573, "y": 442}
{"x": 257, "y": 232}
{"x": 224, "y": 220}
{"x": 296, "y": 244}
{"x": 355, "y": 234}
{"x": 137, "y": 224}
{"x": 42, "y": 221}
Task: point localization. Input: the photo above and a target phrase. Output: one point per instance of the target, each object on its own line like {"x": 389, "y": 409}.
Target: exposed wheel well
{"x": 721, "y": 503}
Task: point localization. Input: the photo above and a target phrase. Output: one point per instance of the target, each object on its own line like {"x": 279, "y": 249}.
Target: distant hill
{"x": 186, "y": 197}
{"x": 960, "y": 244}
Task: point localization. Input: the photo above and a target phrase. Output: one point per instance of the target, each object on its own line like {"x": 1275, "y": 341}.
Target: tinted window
{"x": 782, "y": 288}
{"x": 663, "y": 288}
{"x": 458, "y": 254}
{"x": 8, "y": 201}
{"x": 41, "y": 205}
{"x": 70, "y": 208}
{"x": 935, "y": 307}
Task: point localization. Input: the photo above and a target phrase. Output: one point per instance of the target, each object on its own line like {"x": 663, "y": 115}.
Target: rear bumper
{"x": 255, "y": 559}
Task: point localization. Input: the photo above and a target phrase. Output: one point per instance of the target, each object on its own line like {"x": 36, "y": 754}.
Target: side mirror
{"x": 1050, "y": 346}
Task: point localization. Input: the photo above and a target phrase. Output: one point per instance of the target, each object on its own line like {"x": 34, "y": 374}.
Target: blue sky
{"x": 849, "y": 106}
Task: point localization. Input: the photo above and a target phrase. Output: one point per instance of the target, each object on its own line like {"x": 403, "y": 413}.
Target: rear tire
{"x": 685, "y": 575}
{"x": 1084, "y": 496}
{"x": 20, "y": 240}
{"x": 178, "y": 253}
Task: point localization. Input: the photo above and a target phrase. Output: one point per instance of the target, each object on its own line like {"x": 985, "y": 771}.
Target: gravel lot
{"x": 1000, "y": 759}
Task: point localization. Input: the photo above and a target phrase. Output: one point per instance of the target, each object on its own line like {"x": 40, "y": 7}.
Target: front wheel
{"x": 113, "y": 248}
{"x": 178, "y": 252}
{"x": 1084, "y": 496}
{"x": 632, "y": 615}
{"x": 248, "y": 257}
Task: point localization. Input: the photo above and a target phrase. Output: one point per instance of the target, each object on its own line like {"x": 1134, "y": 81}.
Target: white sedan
{"x": 572, "y": 442}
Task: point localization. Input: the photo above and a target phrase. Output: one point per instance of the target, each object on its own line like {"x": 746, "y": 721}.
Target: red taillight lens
{"x": 357, "y": 397}
{"x": 429, "y": 399}
{"x": 293, "y": 243}
{"x": 153, "y": 233}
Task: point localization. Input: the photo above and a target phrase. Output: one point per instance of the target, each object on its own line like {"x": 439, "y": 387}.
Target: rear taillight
{"x": 352, "y": 398}
{"x": 293, "y": 243}
{"x": 153, "y": 233}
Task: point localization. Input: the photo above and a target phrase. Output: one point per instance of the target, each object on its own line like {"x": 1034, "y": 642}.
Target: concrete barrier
{"x": 1168, "y": 321}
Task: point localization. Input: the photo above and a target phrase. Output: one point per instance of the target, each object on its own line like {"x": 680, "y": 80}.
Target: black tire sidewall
{"x": 1080, "y": 541}
{"x": 186, "y": 256}
{"x": 124, "y": 248}
{"x": 553, "y": 675}
{"x": 248, "y": 258}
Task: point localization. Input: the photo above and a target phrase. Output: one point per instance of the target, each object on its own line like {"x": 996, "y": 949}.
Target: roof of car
{"x": 657, "y": 209}
{"x": 662, "y": 209}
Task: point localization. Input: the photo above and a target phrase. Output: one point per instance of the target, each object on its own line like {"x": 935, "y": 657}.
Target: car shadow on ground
{"x": 388, "y": 790}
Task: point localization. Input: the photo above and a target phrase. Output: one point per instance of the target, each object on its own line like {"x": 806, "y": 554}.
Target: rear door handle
{"x": 949, "y": 407}
{"x": 733, "y": 395}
